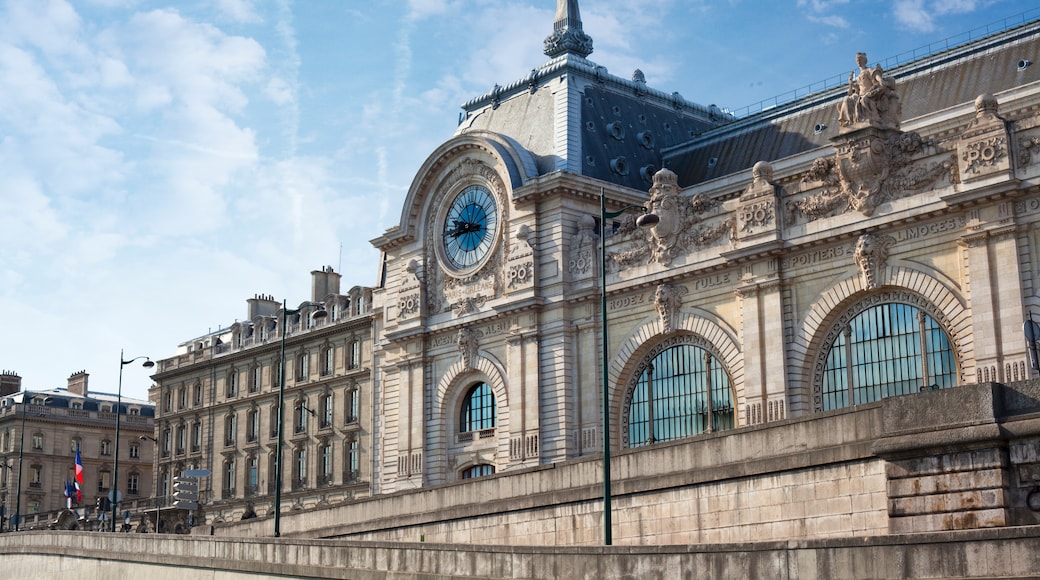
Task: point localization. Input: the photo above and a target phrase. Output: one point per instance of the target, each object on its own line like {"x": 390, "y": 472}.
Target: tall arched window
{"x": 299, "y": 468}
{"x": 230, "y": 422}
{"x": 253, "y": 425}
{"x": 232, "y": 383}
{"x": 229, "y": 479}
{"x": 355, "y": 354}
{"x": 670, "y": 397}
{"x": 255, "y": 378}
{"x": 478, "y": 409}
{"x": 252, "y": 475}
{"x": 887, "y": 350}
{"x": 327, "y": 360}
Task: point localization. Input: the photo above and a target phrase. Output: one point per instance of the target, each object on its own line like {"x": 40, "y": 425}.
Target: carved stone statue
{"x": 871, "y": 100}
{"x": 468, "y": 343}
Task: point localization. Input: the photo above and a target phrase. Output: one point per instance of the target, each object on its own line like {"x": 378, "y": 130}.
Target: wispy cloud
{"x": 242, "y": 11}
{"x": 824, "y": 12}
{"x": 921, "y": 15}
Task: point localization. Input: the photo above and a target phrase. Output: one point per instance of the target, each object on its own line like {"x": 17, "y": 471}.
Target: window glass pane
{"x": 885, "y": 356}
{"x": 671, "y": 399}
{"x": 478, "y": 409}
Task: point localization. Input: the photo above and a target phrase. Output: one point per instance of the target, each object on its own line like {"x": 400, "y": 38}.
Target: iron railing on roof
{"x": 930, "y": 49}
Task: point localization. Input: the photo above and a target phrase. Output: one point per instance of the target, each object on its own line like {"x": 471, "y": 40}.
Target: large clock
{"x": 470, "y": 227}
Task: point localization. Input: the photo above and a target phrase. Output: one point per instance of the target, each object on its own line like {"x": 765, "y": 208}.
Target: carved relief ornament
{"x": 668, "y": 300}
{"x": 874, "y": 162}
{"x": 983, "y": 146}
{"x": 871, "y": 256}
{"x": 684, "y": 224}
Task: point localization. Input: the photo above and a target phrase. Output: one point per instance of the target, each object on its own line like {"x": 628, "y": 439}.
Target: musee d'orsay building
{"x": 820, "y": 335}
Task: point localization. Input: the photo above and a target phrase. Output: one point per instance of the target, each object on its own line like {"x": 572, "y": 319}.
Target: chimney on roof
{"x": 78, "y": 383}
{"x": 10, "y": 383}
{"x": 323, "y": 283}
{"x": 262, "y": 305}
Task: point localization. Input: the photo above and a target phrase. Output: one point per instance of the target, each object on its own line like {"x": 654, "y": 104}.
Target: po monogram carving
{"x": 984, "y": 154}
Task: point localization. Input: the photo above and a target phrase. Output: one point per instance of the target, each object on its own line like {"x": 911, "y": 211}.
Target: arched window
{"x": 232, "y": 383}
{"x": 303, "y": 367}
{"x": 198, "y": 394}
{"x": 352, "y": 472}
{"x": 353, "y": 405}
{"x": 327, "y": 406}
{"x": 670, "y": 397}
{"x": 252, "y": 475}
{"x": 476, "y": 471}
{"x": 300, "y": 412}
{"x": 253, "y": 425}
{"x": 478, "y": 409}
{"x": 299, "y": 468}
{"x": 887, "y": 350}
{"x": 325, "y": 456}
{"x": 355, "y": 354}
{"x": 255, "y": 378}
{"x": 230, "y": 422}
{"x": 327, "y": 361}
{"x": 196, "y": 436}
{"x": 229, "y": 479}
{"x": 182, "y": 438}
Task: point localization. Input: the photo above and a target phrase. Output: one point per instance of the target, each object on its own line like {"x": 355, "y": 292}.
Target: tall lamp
{"x": 645, "y": 220}
{"x": 119, "y": 404}
{"x": 21, "y": 448}
{"x": 318, "y": 314}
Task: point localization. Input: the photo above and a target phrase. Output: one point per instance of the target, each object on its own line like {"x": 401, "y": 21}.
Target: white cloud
{"x": 920, "y": 15}
{"x": 913, "y": 15}
{"x": 419, "y": 9}
{"x": 832, "y": 20}
{"x": 242, "y": 11}
{"x": 279, "y": 91}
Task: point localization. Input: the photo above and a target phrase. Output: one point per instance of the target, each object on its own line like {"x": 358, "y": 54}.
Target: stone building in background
{"x": 218, "y": 399}
{"x": 48, "y": 426}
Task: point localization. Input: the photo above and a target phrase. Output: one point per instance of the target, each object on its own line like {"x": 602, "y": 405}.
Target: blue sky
{"x": 161, "y": 162}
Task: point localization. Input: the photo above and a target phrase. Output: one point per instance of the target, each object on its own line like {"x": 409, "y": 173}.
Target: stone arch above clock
{"x": 476, "y": 170}
{"x": 507, "y": 158}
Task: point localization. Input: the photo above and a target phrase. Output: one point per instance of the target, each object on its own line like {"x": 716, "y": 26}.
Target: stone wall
{"x": 944, "y": 460}
{"x": 1004, "y": 553}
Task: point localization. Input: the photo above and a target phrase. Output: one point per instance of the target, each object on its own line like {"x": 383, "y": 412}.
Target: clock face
{"x": 470, "y": 227}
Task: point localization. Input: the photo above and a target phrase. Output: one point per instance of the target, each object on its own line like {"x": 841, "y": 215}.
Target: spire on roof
{"x": 567, "y": 36}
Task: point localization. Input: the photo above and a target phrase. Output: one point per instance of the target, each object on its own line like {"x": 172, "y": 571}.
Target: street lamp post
{"x": 318, "y": 314}
{"x": 119, "y": 403}
{"x": 21, "y": 453}
{"x": 645, "y": 220}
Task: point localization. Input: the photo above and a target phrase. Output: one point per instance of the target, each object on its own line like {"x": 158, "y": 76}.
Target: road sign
{"x": 118, "y": 496}
{"x": 186, "y": 493}
{"x": 197, "y": 473}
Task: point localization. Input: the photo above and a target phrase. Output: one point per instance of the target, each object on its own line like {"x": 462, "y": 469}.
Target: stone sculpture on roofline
{"x": 871, "y": 100}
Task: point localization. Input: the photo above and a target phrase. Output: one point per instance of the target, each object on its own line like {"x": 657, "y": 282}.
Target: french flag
{"x": 79, "y": 477}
